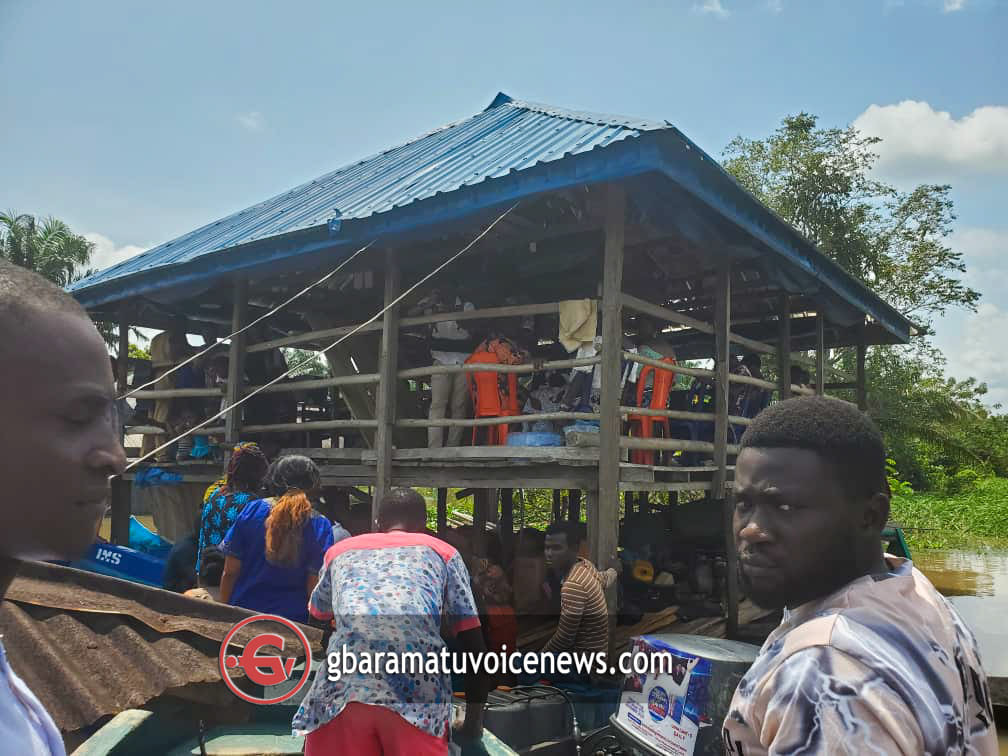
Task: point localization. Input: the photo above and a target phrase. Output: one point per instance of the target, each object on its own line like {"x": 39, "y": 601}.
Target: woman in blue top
{"x": 274, "y": 549}
{"x": 224, "y": 502}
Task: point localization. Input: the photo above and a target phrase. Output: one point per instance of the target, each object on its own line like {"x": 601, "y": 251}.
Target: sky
{"x": 137, "y": 122}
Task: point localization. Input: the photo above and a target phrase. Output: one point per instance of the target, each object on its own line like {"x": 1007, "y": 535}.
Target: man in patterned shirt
{"x": 869, "y": 658}
{"x": 392, "y": 592}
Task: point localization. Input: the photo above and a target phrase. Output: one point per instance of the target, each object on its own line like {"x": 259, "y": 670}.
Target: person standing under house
{"x": 393, "y": 590}
{"x": 222, "y": 505}
{"x": 450, "y": 344}
{"x": 58, "y": 403}
{"x": 869, "y": 657}
{"x": 274, "y": 550}
{"x": 584, "y": 616}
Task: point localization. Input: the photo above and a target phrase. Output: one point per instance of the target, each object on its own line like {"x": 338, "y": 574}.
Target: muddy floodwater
{"x": 977, "y": 583}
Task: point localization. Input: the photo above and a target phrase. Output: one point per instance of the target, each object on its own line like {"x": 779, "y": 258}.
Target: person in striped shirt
{"x": 584, "y": 616}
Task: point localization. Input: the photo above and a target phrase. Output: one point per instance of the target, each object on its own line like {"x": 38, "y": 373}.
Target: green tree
{"x": 819, "y": 180}
{"x": 49, "y": 248}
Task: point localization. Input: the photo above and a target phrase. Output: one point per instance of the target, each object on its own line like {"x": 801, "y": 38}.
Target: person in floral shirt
{"x": 392, "y": 591}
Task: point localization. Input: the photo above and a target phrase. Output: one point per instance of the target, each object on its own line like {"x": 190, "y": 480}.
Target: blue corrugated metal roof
{"x": 510, "y": 150}
{"x": 508, "y": 136}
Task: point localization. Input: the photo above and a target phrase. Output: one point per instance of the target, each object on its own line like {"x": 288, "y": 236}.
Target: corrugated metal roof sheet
{"x": 507, "y": 136}
{"x": 89, "y": 646}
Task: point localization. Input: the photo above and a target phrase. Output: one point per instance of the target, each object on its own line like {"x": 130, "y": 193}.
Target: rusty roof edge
{"x": 72, "y": 590}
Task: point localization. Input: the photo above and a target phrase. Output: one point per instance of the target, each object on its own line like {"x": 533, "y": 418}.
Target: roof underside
{"x": 510, "y": 151}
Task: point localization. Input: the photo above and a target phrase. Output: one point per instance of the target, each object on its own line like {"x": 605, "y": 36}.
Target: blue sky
{"x": 136, "y": 122}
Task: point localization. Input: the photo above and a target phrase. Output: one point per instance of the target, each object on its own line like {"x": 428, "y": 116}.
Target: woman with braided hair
{"x": 274, "y": 550}
{"x": 225, "y": 499}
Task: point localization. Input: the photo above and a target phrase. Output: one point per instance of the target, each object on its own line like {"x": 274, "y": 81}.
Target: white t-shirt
{"x": 25, "y": 726}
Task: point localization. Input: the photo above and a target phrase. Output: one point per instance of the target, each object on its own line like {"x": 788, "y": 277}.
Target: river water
{"x": 976, "y": 582}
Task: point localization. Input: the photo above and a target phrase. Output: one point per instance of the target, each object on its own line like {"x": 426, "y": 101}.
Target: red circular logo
{"x": 262, "y": 668}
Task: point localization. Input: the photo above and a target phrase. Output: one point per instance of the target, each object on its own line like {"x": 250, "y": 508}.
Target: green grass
{"x": 977, "y": 517}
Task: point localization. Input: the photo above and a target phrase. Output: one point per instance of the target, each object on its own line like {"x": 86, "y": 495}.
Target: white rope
{"x": 338, "y": 341}
{"x": 255, "y": 322}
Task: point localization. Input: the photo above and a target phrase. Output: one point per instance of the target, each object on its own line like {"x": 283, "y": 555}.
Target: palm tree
{"x": 50, "y": 249}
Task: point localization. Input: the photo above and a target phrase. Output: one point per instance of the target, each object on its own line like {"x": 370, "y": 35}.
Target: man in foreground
{"x": 392, "y": 592}
{"x": 59, "y": 447}
{"x": 869, "y": 658}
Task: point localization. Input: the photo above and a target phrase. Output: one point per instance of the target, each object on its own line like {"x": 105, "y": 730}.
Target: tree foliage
{"x": 48, "y": 247}
{"x": 820, "y": 180}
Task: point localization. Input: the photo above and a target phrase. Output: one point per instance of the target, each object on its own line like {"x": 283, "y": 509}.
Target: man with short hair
{"x": 60, "y": 447}
{"x": 392, "y": 592}
{"x": 584, "y": 617}
{"x": 869, "y": 658}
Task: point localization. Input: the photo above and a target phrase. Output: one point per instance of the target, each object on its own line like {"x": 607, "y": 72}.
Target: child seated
{"x": 211, "y": 569}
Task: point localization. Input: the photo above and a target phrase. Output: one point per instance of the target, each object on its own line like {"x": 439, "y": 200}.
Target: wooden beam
{"x": 784, "y": 346}
{"x": 605, "y": 515}
{"x": 557, "y": 505}
{"x": 722, "y": 345}
{"x": 479, "y": 522}
{"x": 672, "y": 444}
{"x": 487, "y": 367}
{"x": 388, "y": 366}
{"x": 862, "y": 380}
{"x": 574, "y": 505}
{"x": 120, "y": 511}
{"x": 442, "y": 511}
{"x": 122, "y": 356}
{"x": 505, "y": 527}
{"x": 236, "y": 360}
{"x": 820, "y": 355}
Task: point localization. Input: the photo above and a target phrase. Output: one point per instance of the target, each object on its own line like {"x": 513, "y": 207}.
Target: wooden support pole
{"x": 605, "y": 515}
{"x": 628, "y": 504}
{"x": 479, "y": 522}
{"x": 122, "y": 356}
{"x": 574, "y": 505}
{"x": 505, "y": 527}
{"x": 557, "y": 505}
{"x": 784, "y": 347}
{"x": 862, "y": 380}
{"x": 722, "y": 344}
{"x": 120, "y": 511}
{"x": 442, "y": 511}
{"x": 820, "y": 354}
{"x": 388, "y": 367}
{"x": 236, "y": 360}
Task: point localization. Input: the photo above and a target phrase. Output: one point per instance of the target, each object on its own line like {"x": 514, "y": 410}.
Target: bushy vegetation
{"x": 975, "y": 514}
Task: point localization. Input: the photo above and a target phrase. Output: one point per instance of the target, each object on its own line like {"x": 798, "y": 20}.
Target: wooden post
{"x": 122, "y": 357}
{"x": 605, "y": 516}
{"x": 820, "y": 356}
{"x": 557, "y": 505}
{"x": 442, "y": 511}
{"x": 784, "y": 347}
{"x": 628, "y": 503}
{"x": 722, "y": 347}
{"x": 236, "y": 360}
{"x": 505, "y": 527}
{"x": 574, "y": 505}
{"x": 119, "y": 504}
{"x": 388, "y": 367}
{"x": 862, "y": 381}
{"x": 479, "y": 522}
{"x": 643, "y": 503}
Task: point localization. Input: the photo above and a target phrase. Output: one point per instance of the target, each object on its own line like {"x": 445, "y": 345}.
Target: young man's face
{"x": 61, "y": 435}
{"x": 796, "y": 529}
{"x": 560, "y": 555}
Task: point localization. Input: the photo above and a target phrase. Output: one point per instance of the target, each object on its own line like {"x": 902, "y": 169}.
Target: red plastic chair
{"x": 484, "y": 389}
{"x": 644, "y": 426}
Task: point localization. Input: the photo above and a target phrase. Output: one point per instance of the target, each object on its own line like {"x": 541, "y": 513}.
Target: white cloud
{"x": 975, "y": 343}
{"x": 919, "y": 141}
{"x": 107, "y": 253}
{"x": 251, "y": 121}
{"x": 775, "y": 6}
{"x": 711, "y": 6}
{"x": 951, "y": 6}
